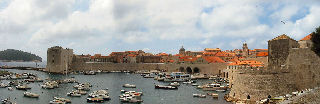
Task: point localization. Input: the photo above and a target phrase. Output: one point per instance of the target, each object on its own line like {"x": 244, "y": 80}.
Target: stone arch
{"x": 189, "y": 70}
{"x": 196, "y": 70}
{"x": 181, "y": 69}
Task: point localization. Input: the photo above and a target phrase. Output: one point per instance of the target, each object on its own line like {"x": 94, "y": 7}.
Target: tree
{"x": 315, "y": 38}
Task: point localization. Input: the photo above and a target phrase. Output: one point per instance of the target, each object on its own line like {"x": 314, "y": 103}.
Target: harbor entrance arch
{"x": 181, "y": 69}
{"x": 189, "y": 70}
{"x": 196, "y": 70}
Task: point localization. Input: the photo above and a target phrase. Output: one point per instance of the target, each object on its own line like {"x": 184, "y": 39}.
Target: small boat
{"x": 214, "y": 95}
{"x": 165, "y": 87}
{"x": 220, "y": 90}
{"x": 129, "y": 86}
{"x": 96, "y": 99}
{"x": 148, "y": 76}
{"x": 2, "y": 85}
{"x": 195, "y": 84}
{"x": 199, "y": 95}
{"x": 62, "y": 99}
{"x": 57, "y": 102}
{"x": 10, "y": 88}
{"x": 23, "y": 87}
{"x": 7, "y": 101}
{"x": 90, "y": 73}
{"x": 174, "y": 84}
{"x": 31, "y": 95}
{"x": 74, "y": 94}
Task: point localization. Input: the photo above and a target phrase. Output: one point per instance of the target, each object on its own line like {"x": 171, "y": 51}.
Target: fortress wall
{"x": 204, "y": 68}
{"x": 301, "y": 71}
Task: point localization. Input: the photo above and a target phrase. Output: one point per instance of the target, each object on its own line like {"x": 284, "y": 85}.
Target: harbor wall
{"x": 300, "y": 71}
{"x": 213, "y": 68}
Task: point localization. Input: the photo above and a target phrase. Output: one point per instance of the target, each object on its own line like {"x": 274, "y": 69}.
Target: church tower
{"x": 182, "y": 51}
{"x": 245, "y": 50}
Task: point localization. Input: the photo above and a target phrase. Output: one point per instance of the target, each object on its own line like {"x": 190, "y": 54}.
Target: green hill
{"x": 18, "y": 55}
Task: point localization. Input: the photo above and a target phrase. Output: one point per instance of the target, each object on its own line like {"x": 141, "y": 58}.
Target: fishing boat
{"x": 129, "y": 86}
{"x": 174, "y": 84}
{"x": 23, "y": 87}
{"x": 31, "y": 95}
{"x": 165, "y": 87}
{"x": 199, "y": 95}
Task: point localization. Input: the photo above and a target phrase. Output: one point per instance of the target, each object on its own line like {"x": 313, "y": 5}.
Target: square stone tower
{"x": 58, "y": 59}
{"x": 278, "y": 50}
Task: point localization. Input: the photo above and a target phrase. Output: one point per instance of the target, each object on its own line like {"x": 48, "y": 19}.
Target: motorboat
{"x": 104, "y": 94}
{"x": 96, "y": 99}
{"x": 31, "y": 95}
{"x": 214, "y": 95}
{"x": 195, "y": 84}
{"x": 62, "y": 99}
{"x": 2, "y": 85}
{"x": 177, "y": 77}
{"x": 174, "y": 84}
{"x": 57, "y": 102}
{"x": 23, "y": 87}
{"x": 199, "y": 95}
{"x": 213, "y": 87}
{"x": 129, "y": 86}
{"x": 165, "y": 87}
{"x": 90, "y": 73}
{"x": 10, "y": 88}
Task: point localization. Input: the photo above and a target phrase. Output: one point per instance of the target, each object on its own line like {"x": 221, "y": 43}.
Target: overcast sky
{"x": 103, "y": 26}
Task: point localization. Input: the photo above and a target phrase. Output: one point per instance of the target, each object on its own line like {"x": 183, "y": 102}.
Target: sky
{"x": 104, "y": 26}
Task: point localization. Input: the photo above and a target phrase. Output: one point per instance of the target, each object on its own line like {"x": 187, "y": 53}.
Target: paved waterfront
{"x": 112, "y": 81}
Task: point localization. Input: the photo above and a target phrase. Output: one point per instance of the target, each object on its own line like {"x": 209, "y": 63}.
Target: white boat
{"x": 2, "y": 85}
{"x": 177, "y": 77}
{"x": 199, "y": 95}
{"x": 104, "y": 94}
{"x": 23, "y": 87}
{"x": 174, "y": 84}
{"x": 62, "y": 99}
{"x": 57, "y": 102}
{"x": 129, "y": 86}
{"x": 213, "y": 87}
{"x": 195, "y": 84}
{"x": 31, "y": 95}
{"x": 10, "y": 88}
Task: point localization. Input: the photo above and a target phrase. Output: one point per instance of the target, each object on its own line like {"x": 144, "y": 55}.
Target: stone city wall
{"x": 213, "y": 68}
{"x": 301, "y": 71}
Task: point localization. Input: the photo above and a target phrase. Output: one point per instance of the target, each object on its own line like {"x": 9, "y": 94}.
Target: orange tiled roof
{"x": 213, "y": 59}
{"x": 188, "y": 58}
{"x": 308, "y": 37}
{"x": 262, "y": 54}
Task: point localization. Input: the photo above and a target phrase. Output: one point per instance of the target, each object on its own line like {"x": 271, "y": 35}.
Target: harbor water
{"x": 114, "y": 82}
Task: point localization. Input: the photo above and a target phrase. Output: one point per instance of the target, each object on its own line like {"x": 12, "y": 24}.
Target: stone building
{"x": 182, "y": 51}
{"x": 59, "y": 59}
{"x": 245, "y": 50}
{"x": 306, "y": 42}
{"x": 279, "y": 48}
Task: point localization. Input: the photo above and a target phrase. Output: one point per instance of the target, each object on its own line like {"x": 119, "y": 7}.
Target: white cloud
{"x": 218, "y": 23}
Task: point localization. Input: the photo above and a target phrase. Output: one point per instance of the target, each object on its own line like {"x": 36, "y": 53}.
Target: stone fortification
{"x": 81, "y": 65}
{"x": 63, "y": 60}
{"x": 59, "y": 59}
{"x": 295, "y": 69}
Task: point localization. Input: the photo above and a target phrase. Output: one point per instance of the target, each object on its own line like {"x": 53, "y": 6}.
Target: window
{"x": 52, "y": 61}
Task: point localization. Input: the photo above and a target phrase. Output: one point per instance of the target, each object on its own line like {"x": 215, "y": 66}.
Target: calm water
{"x": 112, "y": 81}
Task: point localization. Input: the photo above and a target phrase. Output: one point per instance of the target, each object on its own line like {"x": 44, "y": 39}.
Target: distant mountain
{"x": 18, "y": 55}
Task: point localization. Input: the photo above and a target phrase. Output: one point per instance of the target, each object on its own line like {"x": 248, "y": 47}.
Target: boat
{"x": 31, "y": 95}
{"x": 214, "y": 95}
{"x": 174, "y": 84}
{"x": 10, "y": 88}
{"x": 165, "y": 87}
{"x": 23, "y": 87}
{"x": 96, "y": 99}
{"x": 62, "y": 99}
{"x": 7, "y": 101}
{"x": 57, "y": 102}
{"x": 131, "y": 100}
{"x": 195, "y": 84}
{"x": 129, "y": 86}
{"x": 104, "y": 94}
{"x": 177, "y": 77}
{"x": 74, "y": 94}
{"x": 221, "y": 90}
{"x": 148, "y": 76}
{"x": 199, "y": 95}
{"x": 213, "y": 87}
{"x": 90, "y": 73}
{"x": 2, "y": 85}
